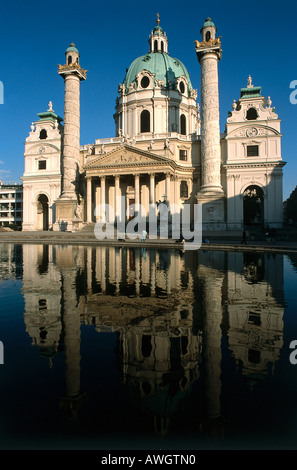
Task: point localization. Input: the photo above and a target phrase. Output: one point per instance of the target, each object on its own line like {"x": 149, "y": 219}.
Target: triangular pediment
{"x": 124, "y": 156}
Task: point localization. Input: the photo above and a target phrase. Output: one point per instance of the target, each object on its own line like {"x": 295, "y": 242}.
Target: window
{"x": 146, "y": 345}
{"x": 207, "y": 36}
{"x": 182, "y": 87}
{"x": 69, "y": 60}
{"x": 183, "y": 124}
{"x": 145, "y": 121}
{"x": 251, "y": 114}
{"x": 183, "y": 155}
{"x": 42, "y": 165}
{"x": 254, "y": 356}
{"x": 183, "y": 189}
{"x": 254, "y": 319}
{"x": 253, "y": 150}
{"x": 145, "y": 81}
{"x": 155, "y": 46}
{"x": 43, "y": 134}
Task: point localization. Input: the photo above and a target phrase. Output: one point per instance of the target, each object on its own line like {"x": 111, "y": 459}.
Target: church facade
{"x": 167, "y": 149}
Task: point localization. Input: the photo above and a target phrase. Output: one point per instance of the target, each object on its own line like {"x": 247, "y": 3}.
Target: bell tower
{"x": 211, "y": 194}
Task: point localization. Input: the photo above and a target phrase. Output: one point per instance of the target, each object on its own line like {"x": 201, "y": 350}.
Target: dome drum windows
{"x": 145, "y": 121}
{"x": 144, "y": 80}
{"x": 181, "y": 85}
{"x": 183, "y": 125}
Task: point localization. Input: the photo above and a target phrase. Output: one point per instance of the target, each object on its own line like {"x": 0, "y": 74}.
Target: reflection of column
{"x": 103, "y": 269}
{"x": 213, "y": 281}
{"x": 89, "y": 268}
{"x": 89, "y": 199}
{"x": 153, "y": 272}
{"x": 118, "y": 270}
{"x": 71, "y": 319}
{"x": 168, "y": 283}
{"x": 137, "y": 272}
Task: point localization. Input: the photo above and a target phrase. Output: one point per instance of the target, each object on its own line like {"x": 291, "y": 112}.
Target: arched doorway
{"x": 42, "y": 212}
{"x": 253, "y": 206}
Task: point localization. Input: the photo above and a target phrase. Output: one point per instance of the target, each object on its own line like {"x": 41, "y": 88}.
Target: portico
{"x": 128, "y": 180}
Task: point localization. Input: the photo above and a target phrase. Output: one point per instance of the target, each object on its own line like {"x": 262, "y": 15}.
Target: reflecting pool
{"x": 125, "y": 348}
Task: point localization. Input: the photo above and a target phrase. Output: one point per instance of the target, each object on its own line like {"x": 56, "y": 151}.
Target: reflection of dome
{"x": 162, "y": 400}
{"x": 160, "y": 64}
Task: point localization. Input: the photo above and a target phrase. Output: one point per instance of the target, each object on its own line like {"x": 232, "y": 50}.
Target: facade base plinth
{"x": 65, "y": 213}
{"x": 213, "y": 210}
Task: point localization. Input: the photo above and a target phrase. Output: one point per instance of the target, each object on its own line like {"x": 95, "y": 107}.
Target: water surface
{"x": 119, "y": 348}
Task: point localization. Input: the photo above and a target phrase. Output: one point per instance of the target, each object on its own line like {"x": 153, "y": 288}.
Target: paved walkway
{"x": 218, "y": 241}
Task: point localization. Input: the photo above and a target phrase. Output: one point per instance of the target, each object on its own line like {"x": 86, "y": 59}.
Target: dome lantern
{"x": 208, "y": 30}
{"x": 158, "y": 39}
{"x": 72, "y": 54}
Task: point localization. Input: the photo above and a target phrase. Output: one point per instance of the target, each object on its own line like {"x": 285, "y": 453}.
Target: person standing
{"x": 143, "y": 235}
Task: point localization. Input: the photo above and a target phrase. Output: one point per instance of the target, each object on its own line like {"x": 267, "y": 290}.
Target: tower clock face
{"x": 252, "y": 132}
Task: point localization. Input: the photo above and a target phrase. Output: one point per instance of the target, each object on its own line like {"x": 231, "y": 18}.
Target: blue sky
{"x": 258, "y": 38}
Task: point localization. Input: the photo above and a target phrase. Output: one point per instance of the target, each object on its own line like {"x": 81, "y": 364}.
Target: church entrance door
{"x": 253, "y": 206}
{"x": 42, "y": 212}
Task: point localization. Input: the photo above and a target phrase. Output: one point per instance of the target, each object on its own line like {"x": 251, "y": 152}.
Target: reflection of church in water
{"x": 169, "y": 312}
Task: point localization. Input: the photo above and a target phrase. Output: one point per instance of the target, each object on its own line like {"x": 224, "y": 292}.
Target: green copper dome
{"x": 160, "y": 64}
{"x": 72, "y": 48}
{"x": 158, "y": 30}
{"x": 208, "y": 23}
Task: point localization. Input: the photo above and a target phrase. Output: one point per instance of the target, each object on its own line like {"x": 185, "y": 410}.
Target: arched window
{"x": 251, "y": 114}
{"x": 162, "y": 46}
{"x": 43, "y": 134}
{"x": 69, "y": 60}
{"x": 182, "y": 87}
{"x": 145, "y": 121}
{"x": 156, "y": 46}
{"x": 146, "y": 345}
{"x": 183, "y": 124}
{"x": 207, "y": 36}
